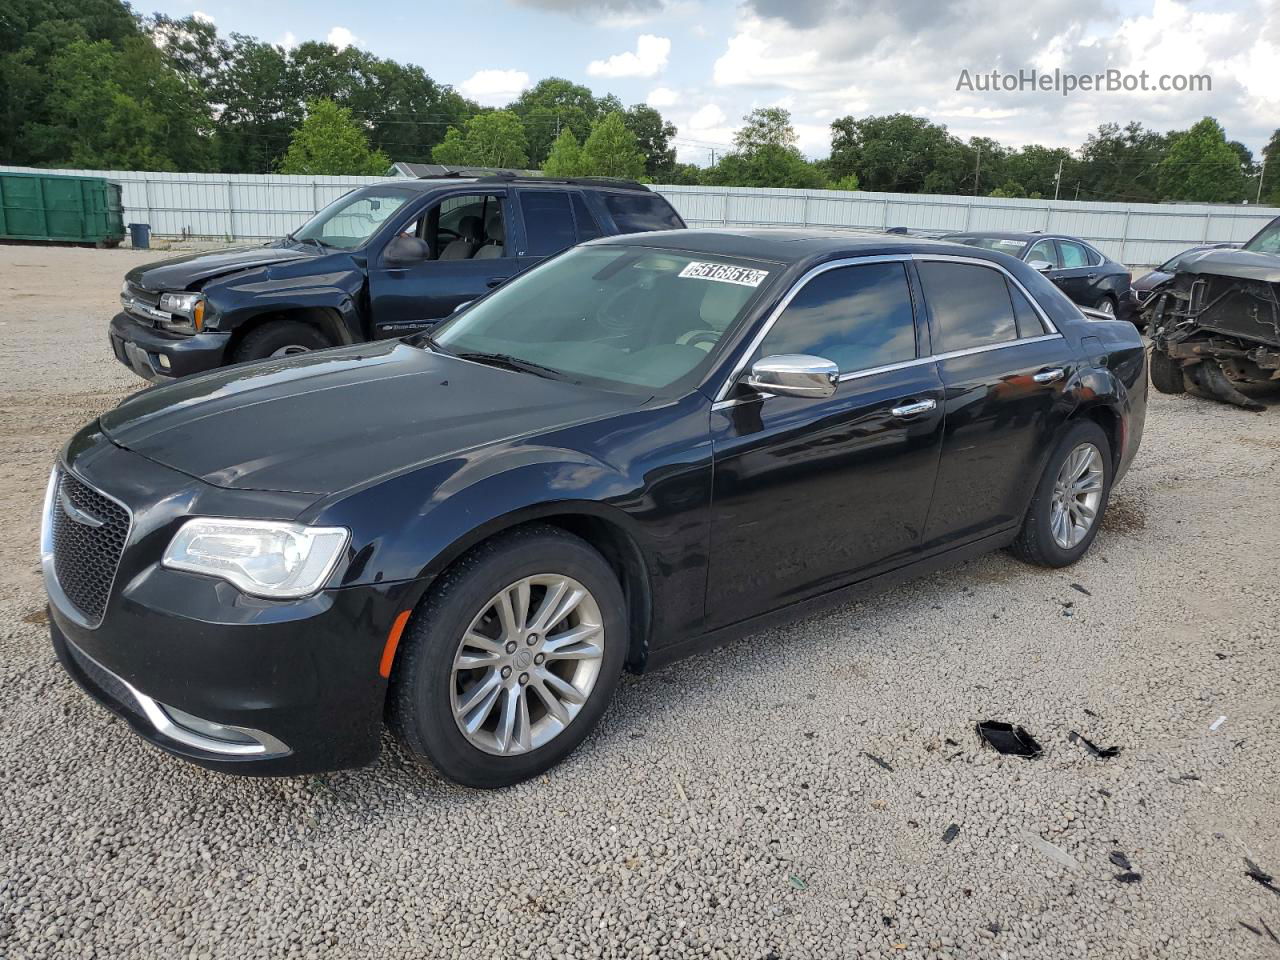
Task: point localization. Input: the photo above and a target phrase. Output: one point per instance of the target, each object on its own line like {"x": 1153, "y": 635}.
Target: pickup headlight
{"x": 187, "y": 310}
{"x": 264, "y": 558}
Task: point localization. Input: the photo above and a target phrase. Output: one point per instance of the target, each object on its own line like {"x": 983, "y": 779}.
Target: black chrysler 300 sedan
{"x": 641, "y": 447}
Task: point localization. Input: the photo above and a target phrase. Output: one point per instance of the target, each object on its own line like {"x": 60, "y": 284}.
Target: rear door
{"x": 549, "y": 225}
{"x": 811, "y": 494}
{"x": 470, "y": 255}
{"x": 1004, "y": 368}
{"x": 1079, "y": 275}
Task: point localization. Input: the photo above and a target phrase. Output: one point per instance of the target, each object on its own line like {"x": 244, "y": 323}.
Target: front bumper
{"x": 161, "y": 357}
{"x": 227, "y": 681}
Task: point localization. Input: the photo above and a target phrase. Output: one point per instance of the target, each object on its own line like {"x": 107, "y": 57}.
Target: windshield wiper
{"x": 514, "y": 363}
{"x": 320, "y": 244}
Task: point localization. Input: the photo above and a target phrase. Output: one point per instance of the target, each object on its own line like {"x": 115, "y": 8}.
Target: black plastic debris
{"x": 1104, "y": 792}
{"x": 1256, "y": 873}
{"x": 1007, "y": 739}
{"x": 1120, "y": 860}
{"x": 1076, "y": 586}
{"x": 1128, "y": 877}
{"x": 1102, "y": 753}
{"x": 951, "y": 743}
{"x": 951, "y": 833}
{"x": 877, "y": 761}
{"x": 1270, "y": 933}
{"x": 1090, "y": 713}
{"x": 1251, "y": 928}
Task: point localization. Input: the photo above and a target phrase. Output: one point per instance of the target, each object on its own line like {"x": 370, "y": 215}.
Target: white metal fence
{"x": 257, "y": 207}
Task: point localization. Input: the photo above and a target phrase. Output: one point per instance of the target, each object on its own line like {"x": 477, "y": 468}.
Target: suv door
{"x": 1004, "y": 368}
{"x": 809, "y": 495}
{"x": 470, "y": 254}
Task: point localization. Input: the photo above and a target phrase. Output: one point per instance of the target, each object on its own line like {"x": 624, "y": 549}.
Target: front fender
{"x": 244, "y": 297}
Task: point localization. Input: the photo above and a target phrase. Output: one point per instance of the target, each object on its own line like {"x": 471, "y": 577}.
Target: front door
{"x": 467, "y": 237}
{"x": 1078, "y": 278}
{"x": 809, "y": 494}
{"x": 1004, "y": 370}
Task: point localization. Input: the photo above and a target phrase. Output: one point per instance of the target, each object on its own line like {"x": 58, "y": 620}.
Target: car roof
{"x": 1002, "y": 235}
{"x": 790, "y": 245}
{"x": 424, "y": 184}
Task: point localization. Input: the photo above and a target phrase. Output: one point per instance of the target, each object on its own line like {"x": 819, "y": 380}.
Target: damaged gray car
{"x": 1216, "y": 325}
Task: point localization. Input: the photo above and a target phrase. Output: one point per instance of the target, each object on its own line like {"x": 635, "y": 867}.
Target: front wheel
{"x": 512, "y": 659}
{"x": 280, "y": 338}
{"x": 1166, "y": 373}
{"x": 1069, "y": 500}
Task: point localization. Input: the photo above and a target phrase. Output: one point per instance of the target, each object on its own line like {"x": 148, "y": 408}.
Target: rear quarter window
{"x": 639, "y": 212}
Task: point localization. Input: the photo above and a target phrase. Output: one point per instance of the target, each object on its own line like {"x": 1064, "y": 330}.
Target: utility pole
{"x": 713, "y": 155}
{"x": 1261, "y": 175}
{"x": 977, "y": 168}
{"x": 1057, "y": 181}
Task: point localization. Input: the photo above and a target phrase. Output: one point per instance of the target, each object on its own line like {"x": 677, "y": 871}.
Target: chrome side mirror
{"x": 794, "y": 375}
{"x": 1041, "y": 265}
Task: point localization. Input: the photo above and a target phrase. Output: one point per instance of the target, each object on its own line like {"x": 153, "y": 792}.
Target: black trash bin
{"x": 140, "y": 235}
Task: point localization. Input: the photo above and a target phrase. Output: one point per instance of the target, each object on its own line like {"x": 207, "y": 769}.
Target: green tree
{"x": 765, "y": 155}
{"x": 550, "y": 106}
{"x": 565, "y": 158}
{"x": 1118, "y": 163}
{"x": 1271, "y": 171}
{"x": 259, "y": 104}
{"x": 1200, "y": 166}
{"x": 1035, "y": 168}
{"x": 611, "y": 150}
{"x": 900, "y": 153}
{"x": 848, "y": 182}
{"x": 331, "y": 143}
{"x": 653, "y": 136}
{"x": 494, "y": 138}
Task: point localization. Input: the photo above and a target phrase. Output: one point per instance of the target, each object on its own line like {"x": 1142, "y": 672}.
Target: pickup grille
{"x": 85, "y": 555}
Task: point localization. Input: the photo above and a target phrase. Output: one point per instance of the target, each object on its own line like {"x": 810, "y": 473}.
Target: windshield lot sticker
{"x": 722, "y": 273}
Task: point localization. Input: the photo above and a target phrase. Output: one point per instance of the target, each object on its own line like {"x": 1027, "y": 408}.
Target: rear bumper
{"x": 161, "y": 357}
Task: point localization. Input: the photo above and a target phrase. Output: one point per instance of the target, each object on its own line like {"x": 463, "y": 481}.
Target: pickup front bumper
{"x": 160, "y": 357}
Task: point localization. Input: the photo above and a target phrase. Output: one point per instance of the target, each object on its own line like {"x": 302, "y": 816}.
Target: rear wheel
{"x": 1106, "y": 305}
{"x": 280, "y": 338}
{"x": 512, "y": 659}
{"x": 1070, "y": 499}
{"x": 1166, "y": 373}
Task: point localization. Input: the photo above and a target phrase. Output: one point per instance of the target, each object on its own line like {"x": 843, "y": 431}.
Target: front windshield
{"x": 1267, "y": 240}
{"x": 634, "y": 318}
{"x": 352, "y": 219}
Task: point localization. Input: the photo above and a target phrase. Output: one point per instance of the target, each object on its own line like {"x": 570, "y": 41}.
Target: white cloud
{"x": 495, "y": 87}
{"x": 202, "y": 16}
{"x": 660, "y": 97}
{"x": 751, "y": 60}
{"x": 289, "y": 40}
{"x": 707, "y": 118}
{"x": 647, "y": 60}
{"x": 341, "y": 38}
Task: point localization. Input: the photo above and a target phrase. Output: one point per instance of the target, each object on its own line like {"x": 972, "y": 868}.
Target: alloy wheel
{"x": 1077, "y": 494}
{"x": 289, "y": 350}
{"x": 527, "y": 664}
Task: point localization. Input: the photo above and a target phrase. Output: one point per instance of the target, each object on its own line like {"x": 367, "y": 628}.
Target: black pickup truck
{"x": 382, "y": 261}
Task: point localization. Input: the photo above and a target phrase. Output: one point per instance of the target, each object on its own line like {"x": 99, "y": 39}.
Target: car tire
{"x": 1166, "y": 373}
{"x": 430, "y": 691}
{"x": 1107, "y": 305}
{"x": 280, "y": 338}
{"x": 1038, "y": 542}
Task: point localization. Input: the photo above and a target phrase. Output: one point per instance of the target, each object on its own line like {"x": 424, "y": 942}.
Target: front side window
{"x": 969, "y": 303}
{"x": 548, "y": 221}
{"x": 1267, "y": 240}
{"x": 641, "y": 211}
{"x": 1045, "y": 250}
{"x": 638, "y": 319}
{"x": 351, "y": 220}
{"x": 858, "y": 317}
{"x": 1073, "y": 254}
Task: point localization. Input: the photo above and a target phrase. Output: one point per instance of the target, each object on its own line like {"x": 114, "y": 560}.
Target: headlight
{"x": 264, "y": 558}
{"x": 187, "y": 310}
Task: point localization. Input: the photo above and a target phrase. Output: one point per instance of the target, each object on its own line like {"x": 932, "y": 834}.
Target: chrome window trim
{"x": 52, "y": 587}
{"x": 721, "y": 400}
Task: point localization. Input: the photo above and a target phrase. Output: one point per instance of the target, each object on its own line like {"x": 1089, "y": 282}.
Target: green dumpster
{"x": 49, "y": 207}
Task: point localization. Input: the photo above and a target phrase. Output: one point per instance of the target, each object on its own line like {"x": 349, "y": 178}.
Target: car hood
{"x": 325, "y": 422}
{"x": 1149, "y": 280}
{"x": 181, "y": 273}
{"x": 1244, "y": 264}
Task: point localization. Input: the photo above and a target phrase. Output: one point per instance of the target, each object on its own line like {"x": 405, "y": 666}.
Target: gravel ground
{"x": 727, "y": 807}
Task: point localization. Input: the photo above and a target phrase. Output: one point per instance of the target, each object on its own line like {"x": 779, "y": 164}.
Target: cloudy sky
{"x": 705, "y": 64}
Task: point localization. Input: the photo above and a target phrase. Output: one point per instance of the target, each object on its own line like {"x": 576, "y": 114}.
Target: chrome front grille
{"x": 88, "y": 532}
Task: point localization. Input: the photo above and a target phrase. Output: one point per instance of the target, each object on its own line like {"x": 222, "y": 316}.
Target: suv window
{"x": 1044, "y": 250}
{"x": 638, "y": 212}
{"x": 464, "y": 227}
{"x": 1073, "y": 254}
{"x": 588, "y": 229}
{"x": 970, "y": 305}
{"x": 858, "y": 317}
{"x": 548, "y": 221}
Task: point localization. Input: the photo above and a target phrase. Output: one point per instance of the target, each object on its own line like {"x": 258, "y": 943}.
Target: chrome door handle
{"x": 1049, "y": 376}
{"x": 912, "y": 409}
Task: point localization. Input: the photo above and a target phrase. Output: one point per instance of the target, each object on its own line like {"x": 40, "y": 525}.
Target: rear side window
{"x": 970, "y": 305}
{"x": 1029, "y": 322}
{"x": 638, "y": 212}
{"x": 858, "y": 317}
{"x": 1073, "y": 254}
{"x": 588, "y": 229}
{"x": 548, "y": 221}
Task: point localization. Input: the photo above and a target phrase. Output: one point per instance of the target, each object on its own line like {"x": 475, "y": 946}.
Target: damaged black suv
{"x": 382, "y": 261}
{"x": 1216, "y": 324}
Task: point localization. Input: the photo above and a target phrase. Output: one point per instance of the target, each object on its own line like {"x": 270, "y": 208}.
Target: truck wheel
{"x": 280, "y": 338}
{"x": 1166, "y": 374}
